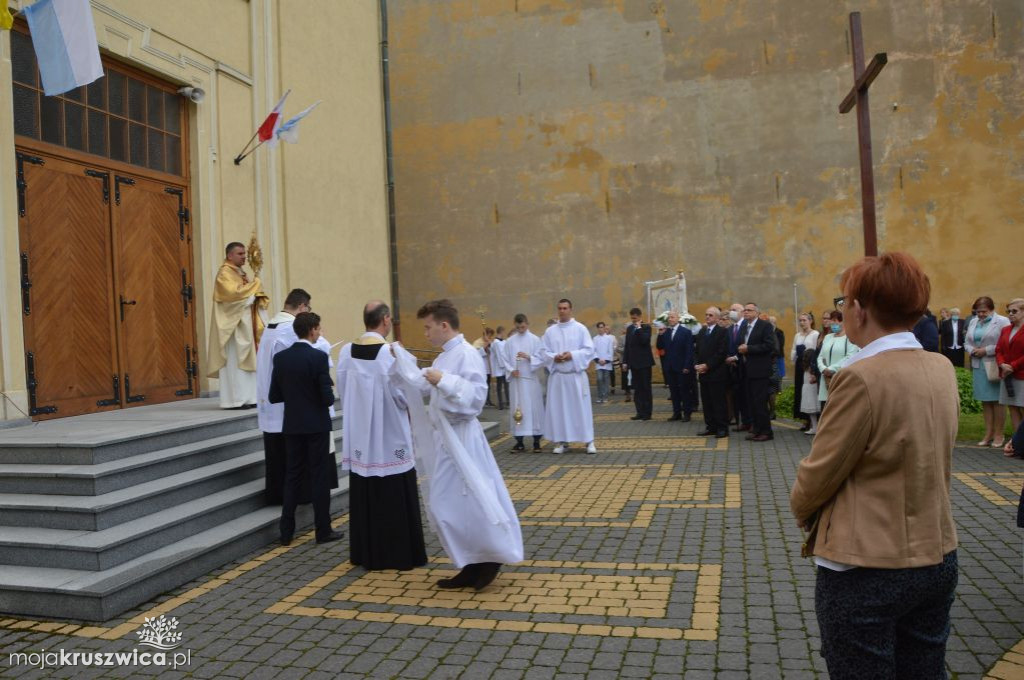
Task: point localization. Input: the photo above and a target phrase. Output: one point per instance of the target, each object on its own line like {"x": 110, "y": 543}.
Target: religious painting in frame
{"x": 666, "y": 295}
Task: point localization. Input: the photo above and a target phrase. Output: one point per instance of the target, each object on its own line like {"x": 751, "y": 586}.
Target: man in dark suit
{"x": 951, "y": 336}
{"x": 302, "y": 380}
{"x": 757, "y": 354}
{"x": 712, "y": 347}
{"x": 676, "y": 341}
{"x": 637, "y": 356}
{"x": 736, "y": 389}
{"x": 927, "y": 332}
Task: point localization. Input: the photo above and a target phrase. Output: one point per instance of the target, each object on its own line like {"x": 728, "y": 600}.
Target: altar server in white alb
{"x": 277, "y": 336}
{"x": 385, "y": 527}
{"x": 526, "y": 399}
{"x": 566, "y": 351}
{"x": 467, "y": 502}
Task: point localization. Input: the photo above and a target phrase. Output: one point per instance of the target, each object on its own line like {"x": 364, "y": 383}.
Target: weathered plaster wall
{"x": 580, "y": 147}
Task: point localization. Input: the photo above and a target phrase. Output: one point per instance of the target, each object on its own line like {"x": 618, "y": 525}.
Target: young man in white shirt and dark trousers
{"x": 604, "y": 356}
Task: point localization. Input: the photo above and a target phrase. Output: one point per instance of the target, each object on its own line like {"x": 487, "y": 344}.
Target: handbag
{"x": 991, "y": 370}
{"x": 807, "y": 548}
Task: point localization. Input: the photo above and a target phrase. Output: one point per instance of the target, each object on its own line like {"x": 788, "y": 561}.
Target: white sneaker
{"x": 559, "y": 449}
{"x": 591, "y": 448}
{"x": 811, "y": 431}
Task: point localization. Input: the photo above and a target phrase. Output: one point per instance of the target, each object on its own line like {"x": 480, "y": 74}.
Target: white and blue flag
{"x": 64, "y": 38}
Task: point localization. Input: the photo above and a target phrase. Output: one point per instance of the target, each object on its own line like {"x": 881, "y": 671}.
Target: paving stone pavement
{"x": 664, "y": 556}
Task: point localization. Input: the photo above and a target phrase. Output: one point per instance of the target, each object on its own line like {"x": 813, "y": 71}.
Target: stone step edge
{"x": 102, "y": 583}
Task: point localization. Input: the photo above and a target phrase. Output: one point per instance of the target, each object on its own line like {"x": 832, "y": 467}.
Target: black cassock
{"x": 385, "y": 524}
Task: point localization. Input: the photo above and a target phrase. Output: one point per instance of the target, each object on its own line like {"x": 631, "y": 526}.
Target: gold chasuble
{"x": 233, "y": 317}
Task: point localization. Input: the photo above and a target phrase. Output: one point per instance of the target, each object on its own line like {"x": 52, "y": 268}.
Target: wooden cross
{"x": 862, "y": 79}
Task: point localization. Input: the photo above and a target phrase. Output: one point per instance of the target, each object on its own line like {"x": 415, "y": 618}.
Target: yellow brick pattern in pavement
{"x": 548, "y": 592}
{"x": 1010, "y": 666}
{"x": 597, "y": 495}
{"x": 976, "y": 481}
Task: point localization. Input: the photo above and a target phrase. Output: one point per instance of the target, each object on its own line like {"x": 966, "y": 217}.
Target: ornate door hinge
{"x": 128, "y": 397}
{"x": 117, "y": 395}
{"x": 182, "y": 210}
{"x": 22, "y": 184}
{"x": 26, "y": 286}
{"x": 190, "y": 370}
{"x": 186, "y": 291}
{"x": 105, "y": 176}
{"x": 30, "y": 365}
{"x": 118, "y": 181}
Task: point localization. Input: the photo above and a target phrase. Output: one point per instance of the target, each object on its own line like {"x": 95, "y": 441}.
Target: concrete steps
{"x": 101, "y": 513}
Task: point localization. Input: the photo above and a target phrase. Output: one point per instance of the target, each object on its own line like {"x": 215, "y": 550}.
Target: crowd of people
{"x": 877, "y": 477}
{"x": 736, "y": 371}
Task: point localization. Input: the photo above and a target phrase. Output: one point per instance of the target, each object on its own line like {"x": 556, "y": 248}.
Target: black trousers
{"x": 886, "y": 623}
{"x": 274, "y": 459}
{"x": 955, "y": 356}
{"x": 739, "y": 396}
{"x": 642, "y": 397}
{"x": 716, "y": 411}
{"x": 691, "y": 388}
{"x": 307, "y": 452}
{"x": 679, "y": 391}
{"x": 757, "y": 405}
{"x": 501, "y": 387}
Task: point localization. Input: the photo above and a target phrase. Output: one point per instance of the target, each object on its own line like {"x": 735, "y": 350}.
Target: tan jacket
{"x": 879, "y": 469}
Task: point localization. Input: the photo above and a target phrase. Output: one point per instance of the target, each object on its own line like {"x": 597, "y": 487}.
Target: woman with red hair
{"x": 874, "y": 491}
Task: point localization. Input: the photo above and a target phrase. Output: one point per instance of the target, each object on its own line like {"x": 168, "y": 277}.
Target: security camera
{"x": 195, "y": 94}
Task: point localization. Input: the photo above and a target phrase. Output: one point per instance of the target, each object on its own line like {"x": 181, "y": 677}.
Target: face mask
{"x": 956, "y": 317}
{"x": 734, "y": 315}
{"x": 835, "y": 328}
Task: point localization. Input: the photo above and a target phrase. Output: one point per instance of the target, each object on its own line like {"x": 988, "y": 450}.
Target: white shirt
{"x": 604, "y": 348}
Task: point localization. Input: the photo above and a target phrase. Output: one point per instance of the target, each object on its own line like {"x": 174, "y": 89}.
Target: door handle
{"x": 123, "y": 303}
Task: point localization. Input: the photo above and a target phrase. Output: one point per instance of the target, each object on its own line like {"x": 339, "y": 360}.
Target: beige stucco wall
{"x": 318, "y": 208}
{"x": 580, "y": 147}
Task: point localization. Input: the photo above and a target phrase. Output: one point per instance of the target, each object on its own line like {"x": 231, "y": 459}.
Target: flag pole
{"x": 241, "y": 156}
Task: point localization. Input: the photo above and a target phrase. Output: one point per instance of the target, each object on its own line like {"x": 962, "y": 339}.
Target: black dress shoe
{"x": 675, "y": 416}
{"x": 634, "y": 418}
{"x": 486, "y": 573}
{"x": 536, "y": 449}
{"x": 686, "y": 419}
{"x": 331, "y": 537}
{"x": 286, "y": 540}
{"x": 645, "y": 418}
{"x": 741, "y": 428}
{"x": 705, "y": 433}
{"x": 463, "y": 579}
{"x": 722, "y": 435}
{"x": 518, "y": 447}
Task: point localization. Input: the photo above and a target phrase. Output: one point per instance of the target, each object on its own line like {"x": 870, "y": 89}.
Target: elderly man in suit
{"x": 676, "y": 341}
{"x": 302, "y": 380}
{"x": 757, "y": 349}
{"x": 712, "y": 347}
{"x": 637, "y": 355}
{"x": 951, "y": 337}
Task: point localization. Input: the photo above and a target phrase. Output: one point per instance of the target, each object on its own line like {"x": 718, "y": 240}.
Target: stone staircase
{"x": 103, "y": 512}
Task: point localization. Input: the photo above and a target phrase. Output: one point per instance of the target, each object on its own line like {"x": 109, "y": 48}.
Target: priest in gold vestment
{"x": 235, "y": 328}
